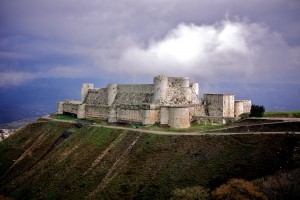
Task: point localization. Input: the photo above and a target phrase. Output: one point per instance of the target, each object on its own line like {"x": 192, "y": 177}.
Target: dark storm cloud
{"x": 232, "y": 40}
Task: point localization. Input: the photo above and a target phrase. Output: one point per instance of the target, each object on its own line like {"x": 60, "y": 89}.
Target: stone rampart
{"x": 96, "y": 111}
{"x": 238, "y": 108}
{"x": 84, "y": 90}
{"x": 160, "y": 89}
{"x": 96, "y": 97}
{"x": 111, "y": 93}
{"x": 136, "y": 88}
{"x": 179, "y": 117}
{"x": 247, "y": 106}
{"x": 178, "y": 82}
{"x": 128, "y": 115}
{"x": 164, "y": 115}
{"x": 70, "y": 108}
{"x": 213, "y": 104}
{"x": 228, "y": 105}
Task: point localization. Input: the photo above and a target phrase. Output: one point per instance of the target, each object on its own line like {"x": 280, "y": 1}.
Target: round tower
{"x": 111, "y": 93}
{"x": 160, "y": 89}
{"x": 238, "y": 108}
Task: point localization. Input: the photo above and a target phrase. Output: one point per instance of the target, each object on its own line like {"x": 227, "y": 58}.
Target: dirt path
{"x": 177, "y": 133}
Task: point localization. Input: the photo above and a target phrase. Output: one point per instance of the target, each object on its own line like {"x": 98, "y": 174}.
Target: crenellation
{"x": 170, "y": 101}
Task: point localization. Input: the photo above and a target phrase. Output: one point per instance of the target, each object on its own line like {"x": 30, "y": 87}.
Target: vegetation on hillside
{"x": 294, "y": 113}
{"x": 56, "y": 160}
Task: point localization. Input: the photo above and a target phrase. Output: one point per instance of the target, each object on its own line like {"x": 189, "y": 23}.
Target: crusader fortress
{"x": 169, "y": 101}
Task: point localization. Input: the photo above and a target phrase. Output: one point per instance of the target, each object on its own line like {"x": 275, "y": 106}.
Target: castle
{"x": 169, "y": 101}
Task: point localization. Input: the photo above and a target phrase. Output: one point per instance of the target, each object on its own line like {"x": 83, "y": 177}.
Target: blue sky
{"x": 49, "y": 48}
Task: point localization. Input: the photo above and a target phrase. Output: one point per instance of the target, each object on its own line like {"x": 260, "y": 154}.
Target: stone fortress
{"x": 169, "y": 101}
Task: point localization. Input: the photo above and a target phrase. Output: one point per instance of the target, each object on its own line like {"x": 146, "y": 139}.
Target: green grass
{"x": 193, "y": 128}
{"x": 64, "y": 117}
{"x": 294, "y": 113}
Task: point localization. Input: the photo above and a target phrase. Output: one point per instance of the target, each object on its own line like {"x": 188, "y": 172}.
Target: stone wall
{"x": 164, "y": 116}
{"x": 96, "y": 111}
{"x": 247, "y": 106}
{"x": 84, "y": 90}
{"x": 96, "y": 97}
{"x": 238, "y": 108}
{"x": 150, "y": 116}
{"x": 129, "y": 115}
{"x": 197, "y": 110}
{"x": 213, "y": 104}
{"x": 136, "y": 88}
{"x": 179, "y": 117}
{"x": 228, "y": 105}
{"x": 60, "y": 109}
{"x": 71, "y": 107}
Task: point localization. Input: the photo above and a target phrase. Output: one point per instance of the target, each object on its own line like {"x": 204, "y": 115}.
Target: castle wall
{"x": 60, "y": 109}
{"x": 247, "y": 106}
{"x": 111, "y": 93}
{"x": 84, "y": 90}
{"x": 70, "y": 108}
{"x": 238, "y": 108}
{"x": 81, "y": 111}
{"x": 178, "y": 82}
{"x": 160, "y": 89}
{"x": 134, "y": 94}
{"x": 179, "y": 117}
{"x": 195, "y": 93}
{"x": 97, "y": 96}
{"x": 112, "y": 116}
{"x": 198, "y": 110}
{"x": 135, "y": 88}
{"x": 164, "y": 116}
{"x": 214, "y": 104}
{"x": 129, "y": 115}
{"x": 96, "y": 111}
{"x": 150, "y": 116}
{"x": 228, "y": 105}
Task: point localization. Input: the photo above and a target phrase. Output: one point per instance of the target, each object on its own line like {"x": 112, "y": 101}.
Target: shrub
{"x": 196, "y": 192}
{"x": 257, "y": 111}
{"x": 284, "y": 185}
{"x": 237, "y": 189}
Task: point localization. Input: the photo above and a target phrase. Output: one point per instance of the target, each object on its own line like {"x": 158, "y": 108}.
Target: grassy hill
{"x": 294, "y": 113}
{"x": 57, "y": 160}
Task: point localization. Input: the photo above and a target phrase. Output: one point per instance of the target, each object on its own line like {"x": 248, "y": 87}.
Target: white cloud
{"x": 15, "y": 78}
{"x": 227, "y": 51}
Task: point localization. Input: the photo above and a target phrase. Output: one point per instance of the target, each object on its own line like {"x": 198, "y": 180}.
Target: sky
{"x": 249, "y": 48}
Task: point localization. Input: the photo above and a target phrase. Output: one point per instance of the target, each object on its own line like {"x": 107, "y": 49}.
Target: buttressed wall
{"x": 171, "y": 101}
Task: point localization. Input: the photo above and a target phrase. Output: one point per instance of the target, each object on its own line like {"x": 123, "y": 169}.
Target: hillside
{"x": 51, "y": 160}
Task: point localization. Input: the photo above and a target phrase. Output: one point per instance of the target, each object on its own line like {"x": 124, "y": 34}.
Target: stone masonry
{"x": 169, "y": 101}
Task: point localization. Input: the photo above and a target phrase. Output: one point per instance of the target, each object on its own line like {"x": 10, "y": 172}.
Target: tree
{"x": 257, "y": 111}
